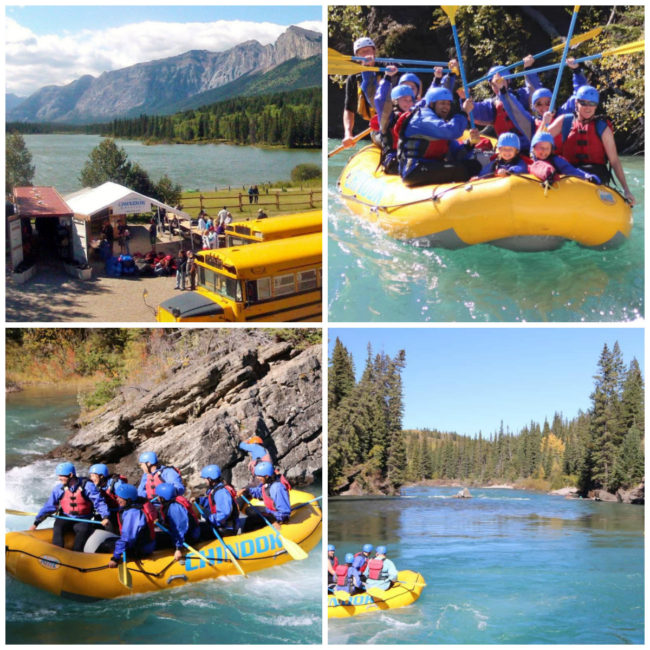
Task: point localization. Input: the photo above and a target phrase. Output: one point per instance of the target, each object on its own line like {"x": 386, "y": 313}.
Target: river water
{"x": 505, "y": 567}
{"x": 277, "y": 606}
{"x": 59, "y": 160}
{"x": 375, "y": 278}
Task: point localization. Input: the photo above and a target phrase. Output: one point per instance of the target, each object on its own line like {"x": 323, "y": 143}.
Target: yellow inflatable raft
{"x": 406, "y": 591}
{"x": 514, "y": 212}
{"x": 32, "y": 558}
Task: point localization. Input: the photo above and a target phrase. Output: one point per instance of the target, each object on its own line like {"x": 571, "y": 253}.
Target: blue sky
{"x": 468, "y": 379}
{"x": 54, "y": 45}
{"x": 58, "y": 20}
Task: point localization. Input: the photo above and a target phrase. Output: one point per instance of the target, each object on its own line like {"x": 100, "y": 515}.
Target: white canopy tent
{"x": 108, "y": 201}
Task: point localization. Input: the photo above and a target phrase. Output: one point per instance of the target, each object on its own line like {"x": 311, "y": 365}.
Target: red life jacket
{"x": 109, "y": 491}
{"x": 186, "y": 504}
{"x": 582, "y": 142}
{"x": 502, "y": 123}
{"x": 150, "y": 515}
{"x": 76, "y": 503}
{"x": 335, "y": 562}
{"x": 375, "y": 568}
{"x": 233, "y": 495}
{"x": 268, "y": 501}
{"x": 374, "y": 123}
{"x": 362, "y": 568}
{"x": 341, "y": 575}
{"x": 154, "y": 480}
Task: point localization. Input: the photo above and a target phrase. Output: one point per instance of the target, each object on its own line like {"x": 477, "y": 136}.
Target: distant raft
{"x": 32, "y": 558}
{"x": 406, "y": 591}
{"x": 513, "y": 212}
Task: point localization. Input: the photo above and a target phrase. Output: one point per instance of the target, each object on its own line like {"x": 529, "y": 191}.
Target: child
{"x": 547, "y": 165}
{"x": 507, "y": 160}
{"x": 402, "y": 99}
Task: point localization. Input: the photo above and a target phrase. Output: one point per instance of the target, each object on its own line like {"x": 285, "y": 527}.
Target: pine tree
{"x": 340, "y": 376}
{"x": 19, "y": 171}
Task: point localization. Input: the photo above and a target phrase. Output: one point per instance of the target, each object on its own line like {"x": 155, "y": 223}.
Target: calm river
{"x": 278, "y": 606}
{"x": 505, "y": 567}
{"x": 375, "y": 278}
{"x": 59, "y": 159}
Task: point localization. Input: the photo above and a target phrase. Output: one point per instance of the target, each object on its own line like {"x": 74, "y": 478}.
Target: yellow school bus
{"x": 263, "y": 230}
{"x": 273, "y": 281}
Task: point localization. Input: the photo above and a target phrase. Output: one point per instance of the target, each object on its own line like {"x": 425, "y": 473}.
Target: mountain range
{"x": 189, "y": 80}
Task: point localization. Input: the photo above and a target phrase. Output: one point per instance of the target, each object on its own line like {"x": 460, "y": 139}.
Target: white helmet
{"x": 364, "y": 41}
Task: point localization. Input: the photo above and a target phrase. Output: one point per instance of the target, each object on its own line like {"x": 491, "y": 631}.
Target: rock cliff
{"x": 206, "y": 406}
{"x": 152, "y": 86}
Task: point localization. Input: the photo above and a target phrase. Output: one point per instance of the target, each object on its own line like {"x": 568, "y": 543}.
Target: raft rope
{"x": 385, "y": 600}
{"x": 436, "y": 197}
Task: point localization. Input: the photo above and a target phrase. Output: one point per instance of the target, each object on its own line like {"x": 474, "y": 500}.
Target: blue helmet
{"x": 401, "y": 91}
{"x": 542, "y": 137}
{"x": 588, "y": 94}
{"x": 509, "y": 140}
{"x": 367, "y": 548}
{"x": 438, "y": 94}
{"x": 211, "y": 471}
{"x": 381, "y": 550}
{"x": 148, "y": 457}
{"x": 349, "y": 558}
{"x": 65, "y": 469}
{"x": 364, "y": 41}
{"x": 99, "y": 468}
{"x": 412, "y": 78}
{"x": 539, "y": 93}
{"x": 264, "y": 469}
{"x": 496, "y": 69}
{"x": 166, "y": 491}
{"x": 126, "y": 491}
{"x": 331, "y": 547}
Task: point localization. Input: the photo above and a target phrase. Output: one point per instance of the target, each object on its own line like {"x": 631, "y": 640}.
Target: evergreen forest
{"x": 599, "y": 449}
{"x": 288, "y": 119}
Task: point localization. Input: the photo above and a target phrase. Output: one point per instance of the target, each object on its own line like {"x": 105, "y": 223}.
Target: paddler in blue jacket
{"x": 380, "y": 572}
{"x": 348, "y": 577}
{"x": 507, "y": 160}
{"x": 100, "y": 475}
{"x": 274, "y": 494}
{"x": 154, "y": 473}
{"x": 77, "y": 498}
{"x": 218, "y": 504}
{"x": 178, "y": 517}
{"x": 428, "y": 151}
{"x": 136, "y": 521}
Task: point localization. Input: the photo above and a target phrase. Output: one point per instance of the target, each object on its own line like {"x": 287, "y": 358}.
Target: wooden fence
{"x": 277, "y": 200}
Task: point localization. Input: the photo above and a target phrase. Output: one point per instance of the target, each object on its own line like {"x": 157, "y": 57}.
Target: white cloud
{"x": 35, "y": 61}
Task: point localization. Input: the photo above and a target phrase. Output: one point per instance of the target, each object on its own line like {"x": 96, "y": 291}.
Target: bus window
{"x": 284, "y": 284}
{"x": 237, "y": 241}
{"x": 264, "y": 289}
{"x": 307, "y": 280}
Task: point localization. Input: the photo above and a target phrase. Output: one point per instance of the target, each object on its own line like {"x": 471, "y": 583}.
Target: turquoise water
{"x": 375, "y": 278}
{"x": 59, "y": 159}
{"x": 506, "y": 566}
{"x": 277, "y": 606}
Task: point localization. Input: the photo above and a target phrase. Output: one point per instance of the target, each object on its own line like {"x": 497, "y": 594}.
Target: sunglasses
{"x": 583, "y": 103}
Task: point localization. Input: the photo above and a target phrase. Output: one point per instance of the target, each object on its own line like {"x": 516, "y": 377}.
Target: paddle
{"x": 630, "y": 48}
{"x": 334, "y": 55}
{"x": 341, "y": 596}
{"x": 356, "y": 139}
{"x": 21, "y": 513}
{"x": 576, "y": 40}
{"x": 565, "y": 51}
{"x": 351, "y": 67}
{"x": 451, "y": 10}
{"x": 123, "y": 573}
{"x": 190, "y": 548}
{"x": 302, "y": 505}
{"x": 290, "y": 546}
{"x": 216, "y": 534}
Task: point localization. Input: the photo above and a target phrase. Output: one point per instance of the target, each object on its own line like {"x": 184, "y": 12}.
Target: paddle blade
{"x": 293, "y": 549}
{"x": 341, "y": 66}
{"x": 581, "y": 38}
{"x": 334, "y": 55}
{"x": 450, "y": 10}
{"x": 124, "y": 575}
{"x": 377, "y": 594}
{"x": 9, "y": 511}
{"x": 629, "y": 48}
{"x": 342, "y": 596}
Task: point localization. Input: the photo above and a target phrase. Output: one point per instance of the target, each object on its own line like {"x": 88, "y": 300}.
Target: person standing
{"x": 181, "y": 268}
{"x": 109, "y": 235}
{"x": 153, "y": 232}
{"x": 191, "y": 269}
